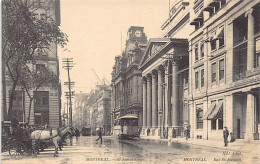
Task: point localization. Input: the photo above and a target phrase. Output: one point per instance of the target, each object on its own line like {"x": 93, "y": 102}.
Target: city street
{"x": 87, "y": 150}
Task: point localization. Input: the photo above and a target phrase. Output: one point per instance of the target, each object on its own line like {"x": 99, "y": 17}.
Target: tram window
{"x": 134, "y": 123}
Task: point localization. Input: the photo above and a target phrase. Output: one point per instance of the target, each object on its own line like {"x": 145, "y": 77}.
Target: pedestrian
{"x": 77, "y": 132}
{"x": 148, "y": 132}
{"x": 225, "y": 135}
{"x": 187, "y": 132}
{"x": 100, "y": 134}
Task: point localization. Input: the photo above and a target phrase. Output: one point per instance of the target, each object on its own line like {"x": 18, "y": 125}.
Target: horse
{"x": 55, "y": 135}
{"x": 68, "y": 134}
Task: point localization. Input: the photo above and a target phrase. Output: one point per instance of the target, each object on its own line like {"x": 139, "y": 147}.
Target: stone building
{"x": 93, "y": 110}
{"x": 165, "y": 70}
{"x": 103, "y": 110}
{"x": 46, "y": 107}
{"x": 224, "y": 52}
{"x": 79, "y": 114}
{"x": 126, "y": 78}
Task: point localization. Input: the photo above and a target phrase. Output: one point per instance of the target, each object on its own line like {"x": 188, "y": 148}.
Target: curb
{"x": 196, "y": 144}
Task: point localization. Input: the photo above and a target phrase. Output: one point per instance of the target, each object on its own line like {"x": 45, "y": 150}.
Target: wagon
{"x": 21, "y": 143}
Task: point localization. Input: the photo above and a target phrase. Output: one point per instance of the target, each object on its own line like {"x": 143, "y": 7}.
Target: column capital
{"x": 175, "y": 61}
{"x": 159, "y": 69}
{"x": 144, "y": 80}
{"x": 249, "y": 12}
{"x": 165, "y": 64}
{"x": 154, "y": 73}
{"x": 148, "y": 77}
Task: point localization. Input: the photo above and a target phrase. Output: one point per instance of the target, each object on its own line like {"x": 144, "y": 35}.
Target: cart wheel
{"x": 17, "y": 149}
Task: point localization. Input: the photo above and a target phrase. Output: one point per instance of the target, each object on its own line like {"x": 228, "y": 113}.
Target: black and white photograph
{"x": 130, "y": 81}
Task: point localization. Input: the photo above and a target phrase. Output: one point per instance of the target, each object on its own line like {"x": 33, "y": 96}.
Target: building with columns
{"x": 224, "y": 60}
{"x": 126, "y": 97}
{"x": 164, "y": 69}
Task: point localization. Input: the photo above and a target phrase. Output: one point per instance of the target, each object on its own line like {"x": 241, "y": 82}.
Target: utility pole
{"x": 68, "y": 64}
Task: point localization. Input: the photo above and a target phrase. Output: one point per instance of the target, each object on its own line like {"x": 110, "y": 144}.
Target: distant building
{"x": 93, "y": 110}
{"x": 80, "y": 101}
{"x": 103, "y": 109}
{"x": 126, "y": 78}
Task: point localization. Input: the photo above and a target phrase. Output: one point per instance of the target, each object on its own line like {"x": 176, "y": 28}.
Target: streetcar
{"x": 86, "y": 131}
{"x": 126, "y": 127}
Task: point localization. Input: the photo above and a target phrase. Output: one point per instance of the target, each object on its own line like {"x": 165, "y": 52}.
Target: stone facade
{"x": 224, "y": 69}
{"x": 46, "y": 108}
{"x": 126, "y": 78}
{"x": 165, "y": 69}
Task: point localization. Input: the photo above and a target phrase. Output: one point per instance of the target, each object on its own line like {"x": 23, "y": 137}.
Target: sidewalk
{"x": 237, "y": 145}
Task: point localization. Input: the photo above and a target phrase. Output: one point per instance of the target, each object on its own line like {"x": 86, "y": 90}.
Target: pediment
{"x": 153, "y": 47}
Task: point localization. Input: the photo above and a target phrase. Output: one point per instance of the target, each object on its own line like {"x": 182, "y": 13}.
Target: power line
{"x": 68, "y": 64}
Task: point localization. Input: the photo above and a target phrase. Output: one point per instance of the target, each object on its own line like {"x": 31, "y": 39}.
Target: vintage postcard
{"x": 130, "y": 81}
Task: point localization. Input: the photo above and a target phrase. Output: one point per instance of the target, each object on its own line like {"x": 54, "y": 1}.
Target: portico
{"x": 160, "y": 68}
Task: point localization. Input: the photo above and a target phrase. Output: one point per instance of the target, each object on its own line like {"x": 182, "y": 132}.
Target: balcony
{"x": 247, "y": 74}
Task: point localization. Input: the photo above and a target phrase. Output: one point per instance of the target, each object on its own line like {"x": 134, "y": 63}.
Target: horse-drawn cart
{"x": 18, "y": 147}
{"x": 27, "y": 141}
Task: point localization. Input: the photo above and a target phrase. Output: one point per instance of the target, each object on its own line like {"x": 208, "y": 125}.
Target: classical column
{"x": 149, "y": 102}
{"x": 154, "y": 100}
{"x": 250, "y": 117}
{"x": 251, "y": 39}
{"x": 166, "y": 94}
{"x": 160, "y": 97}
{"x": 175, "y": 112}
{"x": 144, "y": 104}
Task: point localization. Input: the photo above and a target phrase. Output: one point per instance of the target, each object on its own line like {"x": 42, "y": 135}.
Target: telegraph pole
{"x": 68, "y": 64}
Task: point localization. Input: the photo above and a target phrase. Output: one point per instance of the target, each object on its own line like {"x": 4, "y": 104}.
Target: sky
{"x": 95, "y": 27}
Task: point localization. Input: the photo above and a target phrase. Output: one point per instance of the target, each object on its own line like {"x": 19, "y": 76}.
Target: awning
{"x": 211, "y": 108}
{"x": 211, "y": 4}
{"x": 197, "y": 18}
{"x": 219, "y": 33}
{"x": 216, "y": 111}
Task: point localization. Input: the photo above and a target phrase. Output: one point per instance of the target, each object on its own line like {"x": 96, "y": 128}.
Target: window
{"x": 41, "y": 98}
{"x": 213, "y": 72}
{"x": 223, "y": 2}
{"x": 220, "y": 123}
{"x": 202, "y": 78}
{"x": 196, "y": 80}
{"x": 202, "y": 49}
{"x": 221, "y": 70}
{"x": 213, "y": 44}
{"x": 217, "y": 122}
{"x": 196, "y": 52}
{"x": 214, "y": 124}
{"x": 217, "y": 6}
{"x": 221, "y": 38}
{"x": 199, "y": 114}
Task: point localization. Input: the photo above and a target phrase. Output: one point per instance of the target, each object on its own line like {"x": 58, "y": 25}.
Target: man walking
{"x": 225, "y": 135}
{"x": 100, "y": 134}
{"x": 187, "y": 132}
{"x": 77, "y": 133}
